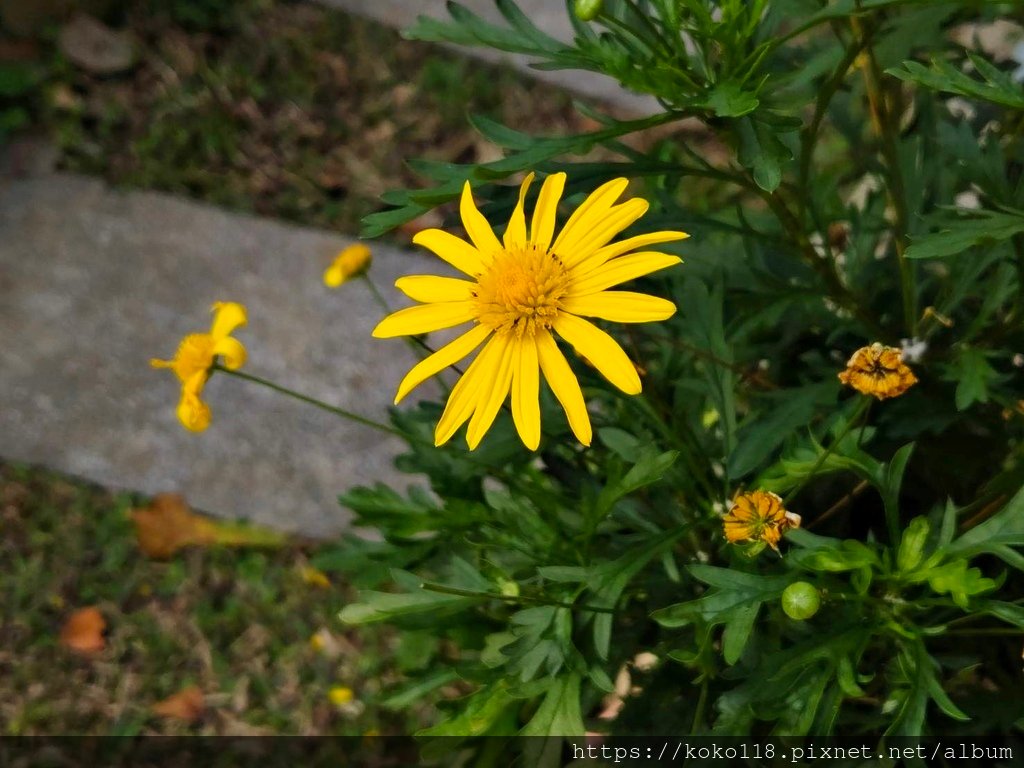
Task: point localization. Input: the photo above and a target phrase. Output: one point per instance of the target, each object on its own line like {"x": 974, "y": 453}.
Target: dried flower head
{"x": 758, "y": 516}
{"x": 878, "y": 370}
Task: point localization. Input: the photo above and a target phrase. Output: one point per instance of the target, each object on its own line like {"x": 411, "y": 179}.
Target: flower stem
{"x": 367, "y": 422}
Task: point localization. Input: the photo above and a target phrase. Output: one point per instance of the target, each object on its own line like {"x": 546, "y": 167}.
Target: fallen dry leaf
{"x": 83, "y": 631}
{"x": 187, "y": 705}
{"x": 167, "y": 525}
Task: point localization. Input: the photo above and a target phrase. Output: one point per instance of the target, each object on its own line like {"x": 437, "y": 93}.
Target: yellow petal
{"x": 456, "y": 251}
{"x": 619, "y": 271}
{"x": 431, "y": 289}
{"x": 592, "y": 209}
{"x": 545, "y": 213}
{"x": 526, "y": 392}
{"x": 227, "y": 316}
{"x": 350, "y": 262}
{"x": 463, "y": 399}
{"x": 424, "y": 319}
{"x": 563, "y": 383}
{"x": 334, "y": 276}
{"x": 447, "y": 355}
{"x": 629, "y": 244}
{"x": 620, "y": 307}
{"x": 597, "y": 231}
{"x": 192, "y": 412}
{"x": 601, "y": 350}
{"x": 231, "y": 350}
{"x": 495, "y": 380}
{"x": 476, "y": 225}
{"x": 515, "y": 232}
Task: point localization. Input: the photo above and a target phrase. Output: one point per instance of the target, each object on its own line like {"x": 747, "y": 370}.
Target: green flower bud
{"x": 508, "y": 587}
{"x": 911, "y": 550}
{"x": 800, "y": 600}
{"x": 588, "y": 10}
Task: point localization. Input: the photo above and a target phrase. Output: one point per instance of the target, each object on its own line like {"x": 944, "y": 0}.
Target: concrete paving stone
{"x": 94, "y": 282}
{"x": 549, "y": 15}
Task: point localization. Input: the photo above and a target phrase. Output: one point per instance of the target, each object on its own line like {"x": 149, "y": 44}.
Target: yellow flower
{"x": 758, "y": 516}
{"x": 349, "y": 263}
{"x": 339, "y": 695}
{"x": 196, "y": 355}
{"x": 878, "y": 370}
{"x": 522, "y": 288}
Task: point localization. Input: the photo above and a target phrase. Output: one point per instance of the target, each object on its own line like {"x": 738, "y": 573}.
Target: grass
{"x": 236, "y": 623}
{"x": 284, "y": 109}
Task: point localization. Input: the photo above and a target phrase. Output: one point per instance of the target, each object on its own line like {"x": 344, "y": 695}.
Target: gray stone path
{"x": 94, "y": 282}
{"x": 549, "y": 15}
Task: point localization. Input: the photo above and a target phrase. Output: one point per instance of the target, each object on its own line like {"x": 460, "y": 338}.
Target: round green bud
{"x": 800, "y": 600}
{"x": 588, "y": 10}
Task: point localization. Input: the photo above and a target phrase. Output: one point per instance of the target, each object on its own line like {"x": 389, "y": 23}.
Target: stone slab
{"x": 549, "y": 15}
{"x": 94, "y": 282}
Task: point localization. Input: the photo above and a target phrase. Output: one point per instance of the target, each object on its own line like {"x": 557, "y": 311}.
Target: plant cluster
{"x": 809, "y": 521}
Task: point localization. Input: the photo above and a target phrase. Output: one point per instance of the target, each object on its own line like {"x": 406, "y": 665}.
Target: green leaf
{"x": 999, "y": 535}
{"x": 974, "y": 375}
{"x": 762, "y": 152}
{"x": 730, "y": 100}
{"x": 849, "y": 555}
{"x": 782, "y": 414}
{"x": 559, "y": 713}
{"x": 649, "y": 469}
{"x": 994, "y": 85}
{"x": 478, "y": 714}
{"x": 892, "y": 479}
{"x": 409, "y": 694}
{"x": 973, "y": 228}
{"x": 737, "y": 632}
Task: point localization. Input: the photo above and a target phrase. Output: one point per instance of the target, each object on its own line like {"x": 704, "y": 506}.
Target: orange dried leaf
{"x": 187, "y": 705}
{"x": 83, "y": 631}
{"x": 167, "y": 525}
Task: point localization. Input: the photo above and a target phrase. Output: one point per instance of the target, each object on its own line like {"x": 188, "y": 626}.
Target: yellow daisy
{"x": 878, "y": 370}
{"x": 196, "y": 355}
{"x": 522, "y": 288}
{"x": 758, "y": 516}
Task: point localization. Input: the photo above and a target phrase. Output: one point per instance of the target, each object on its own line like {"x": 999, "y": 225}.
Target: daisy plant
{"x": 785, "y": 494}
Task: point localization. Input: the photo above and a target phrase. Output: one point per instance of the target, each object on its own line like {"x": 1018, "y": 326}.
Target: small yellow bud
{"x": 349, "y": 263}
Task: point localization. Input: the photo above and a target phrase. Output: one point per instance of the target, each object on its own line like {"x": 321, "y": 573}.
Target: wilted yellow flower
{"x": 522, "y": 289}
{"x": 878, "y": 370}
{"x": 758, "y": 516}
{"x": 196, "y": 355}
{"x": 349, "y": 263}
{"x": 340, "y": 695}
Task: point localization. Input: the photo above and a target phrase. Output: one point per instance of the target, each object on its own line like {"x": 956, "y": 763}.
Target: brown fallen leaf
{"x": 187, "y": 705}
{"x": 83, "y": 631}
{"x": 168, "y": 525}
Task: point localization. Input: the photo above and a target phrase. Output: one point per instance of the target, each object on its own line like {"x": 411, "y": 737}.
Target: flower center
{"x": 520, "y": 292}
{"x": 194, "y": 354}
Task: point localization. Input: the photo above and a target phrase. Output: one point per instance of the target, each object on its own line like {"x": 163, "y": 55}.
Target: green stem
{"x": 314, "y": 402}
{"x": 446, "y": 590}
{"x": 862, "y": 409}
{"x": 885, "y": 121}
